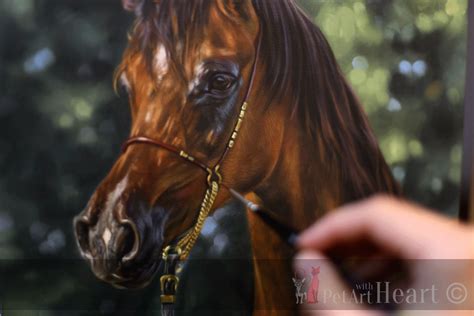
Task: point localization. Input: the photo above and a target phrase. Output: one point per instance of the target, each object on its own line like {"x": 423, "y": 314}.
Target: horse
{"x": 227, "y": 94}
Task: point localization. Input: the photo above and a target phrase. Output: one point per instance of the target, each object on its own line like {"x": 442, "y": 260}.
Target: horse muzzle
{"x": 121, "y": 251}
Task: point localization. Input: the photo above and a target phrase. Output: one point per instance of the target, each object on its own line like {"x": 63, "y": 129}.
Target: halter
{"x": 172, "y": 254}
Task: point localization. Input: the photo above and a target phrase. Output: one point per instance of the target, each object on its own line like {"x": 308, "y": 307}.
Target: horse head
{"x": 186, "y": 70}
{"x": 190, "y": 69}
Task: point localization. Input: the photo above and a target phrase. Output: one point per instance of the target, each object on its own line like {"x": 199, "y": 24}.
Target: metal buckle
{"x": 170, "y": 282}
{"x": 169, "y": 250}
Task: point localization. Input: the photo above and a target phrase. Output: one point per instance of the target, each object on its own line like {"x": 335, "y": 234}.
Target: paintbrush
{"x": 288, "y": 234}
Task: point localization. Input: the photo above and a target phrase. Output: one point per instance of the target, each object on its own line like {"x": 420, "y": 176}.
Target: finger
{"x": 394, "y": 225}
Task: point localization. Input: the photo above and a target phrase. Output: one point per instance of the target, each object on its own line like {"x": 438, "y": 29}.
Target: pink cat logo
{"x": 312, "y": 292}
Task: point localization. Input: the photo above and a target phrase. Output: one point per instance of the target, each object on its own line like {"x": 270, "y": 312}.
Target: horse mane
{"x": 298, "y": 64}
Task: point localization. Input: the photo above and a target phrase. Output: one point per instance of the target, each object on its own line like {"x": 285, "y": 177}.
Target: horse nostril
{"x": 81, "y": 229}
{"x": 130, "y": 239}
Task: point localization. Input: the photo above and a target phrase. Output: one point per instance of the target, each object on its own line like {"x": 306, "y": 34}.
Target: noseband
{"x": 172, "y": 254}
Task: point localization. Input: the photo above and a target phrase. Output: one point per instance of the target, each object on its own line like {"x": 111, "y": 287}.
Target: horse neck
{"x": 306, "y": 184}
{"x": 291, "y": 192}
{"x": 301, "y": 188}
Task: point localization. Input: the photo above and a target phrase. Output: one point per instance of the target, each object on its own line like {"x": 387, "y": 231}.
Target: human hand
{"x": 386, "y": 228}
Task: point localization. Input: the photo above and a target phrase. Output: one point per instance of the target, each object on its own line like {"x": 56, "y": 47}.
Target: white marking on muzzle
{"x": 106, "y": 236}
{"x": 115, "y": 195}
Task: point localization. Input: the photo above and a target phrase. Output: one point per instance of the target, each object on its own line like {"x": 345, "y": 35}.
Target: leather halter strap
{"x": 168, "y": 147}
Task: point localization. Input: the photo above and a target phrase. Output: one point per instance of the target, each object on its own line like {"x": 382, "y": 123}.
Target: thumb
{"x": 326, "y": 291}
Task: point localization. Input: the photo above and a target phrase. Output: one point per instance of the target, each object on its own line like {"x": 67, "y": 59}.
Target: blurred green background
{"x": 61, "y": 126}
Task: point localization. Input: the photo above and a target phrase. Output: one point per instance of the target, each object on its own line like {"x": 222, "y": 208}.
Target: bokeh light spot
{"x": 419, "y": 68}
{"x": 405, "y": 67}
{"x": 436, "y": 185}
{"x": 357, "y": 76}
{"x": 40, "y": 61}
{"x": 65, "y": 121}
{"x": 394, "y": 105}
{"x": 360, "y": 62}
{"x": 415, "y": 148}
{"x": 434, "y": 90}
{"x": 82, "y": 109}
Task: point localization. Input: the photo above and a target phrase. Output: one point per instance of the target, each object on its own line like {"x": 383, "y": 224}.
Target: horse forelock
{"x": 167, "y": 27}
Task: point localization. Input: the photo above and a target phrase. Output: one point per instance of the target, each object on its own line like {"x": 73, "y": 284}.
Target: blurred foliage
{"x": 61, "y": 123}
{"x": 406, "y": 61}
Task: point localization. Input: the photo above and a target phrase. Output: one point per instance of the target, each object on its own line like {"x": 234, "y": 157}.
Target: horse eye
{"x": 221, "y": 82}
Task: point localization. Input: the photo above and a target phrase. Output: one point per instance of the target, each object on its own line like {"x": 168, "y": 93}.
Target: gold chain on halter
{"x": 169, "y": 281}
{"x": 214, "y": 179}
{"x": 188, "y": 241}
